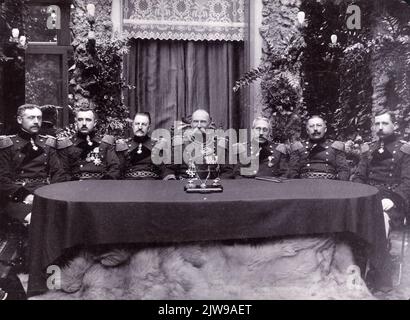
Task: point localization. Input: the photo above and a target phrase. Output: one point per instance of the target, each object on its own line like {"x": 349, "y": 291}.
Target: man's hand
{"x": 27, "y": 219}
{"x": 387, "y": 204}
{"x": 29, "y": 199}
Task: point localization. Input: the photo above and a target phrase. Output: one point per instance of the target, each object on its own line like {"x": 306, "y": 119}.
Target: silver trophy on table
{"x": 204, "y": 178}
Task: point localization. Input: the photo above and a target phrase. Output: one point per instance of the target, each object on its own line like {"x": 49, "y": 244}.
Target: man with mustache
{"x": 28, "y": 161}
{"x": 198, "y": 146}
{"x": 85, "y": 155}
{"x": 272, "y": 157}
{"x": 135, "y": 154}
{"x": 385, "y": 164}
{"x": 318, "y": 157}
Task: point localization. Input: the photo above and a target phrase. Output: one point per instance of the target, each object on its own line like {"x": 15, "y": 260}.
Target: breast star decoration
{"x": 94, "y": 156}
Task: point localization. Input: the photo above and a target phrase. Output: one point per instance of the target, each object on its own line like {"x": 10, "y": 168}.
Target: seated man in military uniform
{"x": 27, "y": 161}
{"x": 318, "y": 157}
{"x": 197, "y": 149}
{"x": 271, "y": 157}
{"x": 136, "y": 153}
{"x": 385, "y": 164}
{"x": 86, "y": 155}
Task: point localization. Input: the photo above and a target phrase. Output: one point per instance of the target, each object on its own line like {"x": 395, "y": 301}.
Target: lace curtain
{"x": 185, "y": 19}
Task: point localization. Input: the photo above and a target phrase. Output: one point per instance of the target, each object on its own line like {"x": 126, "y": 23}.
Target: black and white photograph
{"x": 219, "y": 152}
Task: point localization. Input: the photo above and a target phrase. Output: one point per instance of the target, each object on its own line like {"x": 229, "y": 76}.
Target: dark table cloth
{"x": 108, "y": 212}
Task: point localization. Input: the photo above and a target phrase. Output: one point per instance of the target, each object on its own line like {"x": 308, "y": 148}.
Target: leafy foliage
{"x": 367, "y": 70}
{"x": 280, "y": 76}
{"x": 95, "y": 77}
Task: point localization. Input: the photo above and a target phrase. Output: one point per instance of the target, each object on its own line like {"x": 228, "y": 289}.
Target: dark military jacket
{"x": 272, "y": 159}
{"x": 135, "y": 158}
{"x": 386, "y": 165}
{"x": 26, "y": 163}
{"x": 89, "y": 158}
{"x": 326, "y": 159}
{"x": 186, "y": 153}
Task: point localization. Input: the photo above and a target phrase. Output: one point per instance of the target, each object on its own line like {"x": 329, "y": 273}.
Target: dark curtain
{"x": 174, "y": 78}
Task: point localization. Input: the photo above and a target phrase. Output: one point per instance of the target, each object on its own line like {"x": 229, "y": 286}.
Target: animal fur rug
{"x": 308, "y": 268}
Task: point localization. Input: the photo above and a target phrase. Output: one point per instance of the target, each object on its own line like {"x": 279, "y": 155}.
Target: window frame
{"x": 62, "y": 48}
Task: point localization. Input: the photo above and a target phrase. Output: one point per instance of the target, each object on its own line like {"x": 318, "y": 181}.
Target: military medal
{"x": 139, "y": 151}
{"x": 35, "y": 148}
{"x": 94, "y": 157}
{"x": 89, "y": 142}
{"x": 381, "y": 149}
{"x": 270, "y": 164}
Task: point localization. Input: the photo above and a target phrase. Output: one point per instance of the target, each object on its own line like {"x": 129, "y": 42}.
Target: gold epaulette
{"x": 51, "y": 141}
{"x": 296, "y": 146}
{"x": 239, "y": 147}
{"x": 63, "y": 143}
{"x": 121, "y": 145}
{"x": 282, "y": 148}
{"x": 5, "y": 142}
{"x": 338, "y": 145}
{"x": 160, "y": 143}
{"x": 405, "y": 148}
{"x": 108, "y": 139}
{"x": 178, "y": 140}
{"x": 222, "y": 142}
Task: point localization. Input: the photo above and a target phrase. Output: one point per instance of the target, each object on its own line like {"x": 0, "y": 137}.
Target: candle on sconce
{"x": 15, "y": 33}
{"x": 333, "y": 38}
{"x": 23, "y": 40}
{"x": 91, "y": 9}
{"x": 301, "y": 17}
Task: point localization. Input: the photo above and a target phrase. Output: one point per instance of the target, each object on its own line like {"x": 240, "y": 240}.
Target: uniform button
{"x": 392, "y": 160}
{"x": 19, "y": 155}
{"x": 81, "y": 165}
{"x": 129, "y": 145}
{"x": 308, "y": 165}
{"x": 17, "y": 141}
{"x": 327, "y": 153}
{"x": 394, "y": 151}
{"x": 41, "y": 140}
{"x": 306, "y": 152}
{"x": 391, "y": 175}
{"x": 327, "y": 159}
{"x": 22, "y": 171}
{"x": 327, "y": 147}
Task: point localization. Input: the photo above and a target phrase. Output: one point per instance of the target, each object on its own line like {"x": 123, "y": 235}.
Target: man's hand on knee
{"x": 29, "y": 199}
{"x": 27, "y": 219}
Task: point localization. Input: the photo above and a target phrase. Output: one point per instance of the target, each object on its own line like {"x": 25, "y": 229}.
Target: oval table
{"x": 87, "y": 213}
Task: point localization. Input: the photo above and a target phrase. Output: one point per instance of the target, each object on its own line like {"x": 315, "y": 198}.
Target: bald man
{"x": 271, "y": 157}
{"x": 198, "y": 145}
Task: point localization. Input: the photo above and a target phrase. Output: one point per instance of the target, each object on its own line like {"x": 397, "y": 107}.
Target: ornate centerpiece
{"x": 204, "y": 177}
